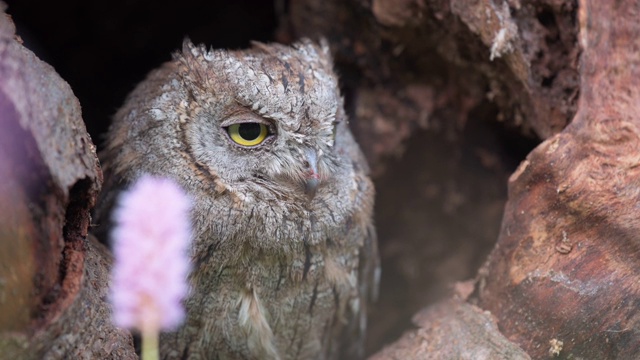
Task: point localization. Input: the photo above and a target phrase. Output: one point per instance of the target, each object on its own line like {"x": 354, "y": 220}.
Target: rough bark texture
{"x": 453, "y": 329}
{"x": 53, "y": 280}
{"x": 566, "y": 265}
{"x": 446, "y": 97}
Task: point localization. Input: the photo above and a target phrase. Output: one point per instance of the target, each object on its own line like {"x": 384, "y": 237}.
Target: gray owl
{"x": 284, "y": 251}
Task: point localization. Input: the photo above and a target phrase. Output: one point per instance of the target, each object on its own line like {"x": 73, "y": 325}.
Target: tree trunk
{"x": 566, "y": 265}
{"x": 54, "y": 277}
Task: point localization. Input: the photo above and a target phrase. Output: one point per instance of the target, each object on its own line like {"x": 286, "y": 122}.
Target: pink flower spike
{"x": 150, "y": 245}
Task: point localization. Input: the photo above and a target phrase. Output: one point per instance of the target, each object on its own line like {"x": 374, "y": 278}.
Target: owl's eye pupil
{"x": 249, "y": 131}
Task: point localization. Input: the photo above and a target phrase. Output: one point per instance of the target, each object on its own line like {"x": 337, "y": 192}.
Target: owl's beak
{"x": 311, "y": 186}
{"x": 312, "y": 180}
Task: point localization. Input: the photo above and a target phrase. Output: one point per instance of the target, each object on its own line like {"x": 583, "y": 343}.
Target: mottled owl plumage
{"x": 284, "y": 252}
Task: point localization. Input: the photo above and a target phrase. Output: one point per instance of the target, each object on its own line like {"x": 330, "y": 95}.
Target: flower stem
{"x": 150, "y": 345}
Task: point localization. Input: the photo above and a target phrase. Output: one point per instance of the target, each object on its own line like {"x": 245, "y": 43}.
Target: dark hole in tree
{"x": 546, "y": 17}
{"x": 438, "y": 214}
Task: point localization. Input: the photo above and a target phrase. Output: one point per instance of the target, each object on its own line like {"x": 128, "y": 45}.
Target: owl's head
{"x": 267, "y": 120}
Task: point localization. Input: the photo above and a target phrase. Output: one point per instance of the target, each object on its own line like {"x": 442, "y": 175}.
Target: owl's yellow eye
{"x": 248, "y": 133}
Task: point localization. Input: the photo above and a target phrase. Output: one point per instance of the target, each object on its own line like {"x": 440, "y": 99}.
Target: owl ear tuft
{"x": 193, "y": 59}
{"x": 324, "y": 46}
{"x": 319, "y": 50}
{"x": 189, "y": 47}
{"x": 326, "y": 51}
{"x": 192, "y": 54}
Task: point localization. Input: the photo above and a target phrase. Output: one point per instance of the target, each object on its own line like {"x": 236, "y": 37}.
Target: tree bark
{"x": 54, "y": 278}
{"x": 566, "y": 265}
{"x": 453, "y": 329}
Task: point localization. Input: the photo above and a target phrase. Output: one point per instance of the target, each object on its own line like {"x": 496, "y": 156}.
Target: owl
{"x": 284, "y": 254}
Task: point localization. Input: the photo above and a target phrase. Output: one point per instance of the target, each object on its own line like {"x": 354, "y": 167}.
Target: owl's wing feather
{"x": 369, "y": 280}
{"x": 352, "y": 345}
